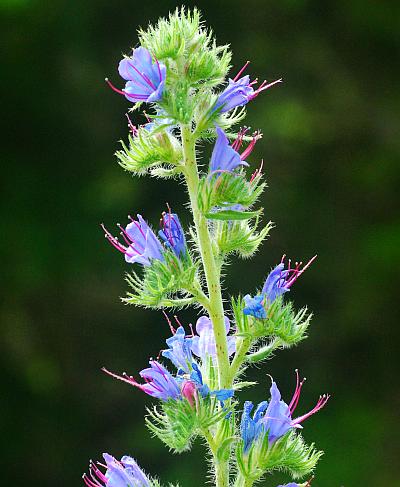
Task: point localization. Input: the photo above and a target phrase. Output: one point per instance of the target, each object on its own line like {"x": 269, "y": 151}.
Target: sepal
{"x": 167, "y": 283}
{"x": 228, "y": 189}
{"x": 181, "y": 41}
{"x": 177, "y": 423}
{"x": 283, "y": 322}
{"x": 147, "y": 151}
{"x": 290, "y": 454}
{"x": 240, "y": 237}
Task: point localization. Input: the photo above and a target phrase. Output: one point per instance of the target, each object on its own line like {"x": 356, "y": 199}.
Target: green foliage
{"x": 177, "y": 423}
{"x": 228, "y": 189}
{"x": 289, "y": 454}
{"x": 149, "y": 151}
{"x": 164, "y": 284}
{"x": 187, "y": 48}
{"x": 283, "y": 322}
{"x": 239, "y": 237}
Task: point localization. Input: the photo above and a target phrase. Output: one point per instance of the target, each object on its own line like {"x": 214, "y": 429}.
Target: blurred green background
{"x": 331, "y": 151}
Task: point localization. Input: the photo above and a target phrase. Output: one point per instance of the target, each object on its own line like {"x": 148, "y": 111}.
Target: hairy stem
{"x": 213, "y": 277}
{"x": 211, "y": 271}
{"x": 221, "y": 474}
{"x": 243, "y": 346}
{"x": 242, "y": 481}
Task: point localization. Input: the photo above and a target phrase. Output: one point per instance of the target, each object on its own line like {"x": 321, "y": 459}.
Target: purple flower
{"x": 239, "y": 92}
{"x": 179, "y": 351}
{"x": 225, "y": 157}
{"x": 292, "y": 484}
{"x": 203, "y": 344}
{"x": 123, "y": 473}
{"x": 159, "y": 382}
{"x": 274, "y": 417}
{"x": 142, "y": 245}
{"x": 278, "y": 282}
{"x": 145, "y": 79}
{"x": 172, "y": 233}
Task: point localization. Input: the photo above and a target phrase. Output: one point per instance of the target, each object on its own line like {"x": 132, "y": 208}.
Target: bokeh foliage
{"x": 331, "y": 152}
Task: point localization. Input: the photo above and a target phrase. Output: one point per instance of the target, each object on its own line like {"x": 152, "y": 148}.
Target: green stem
{"x": 242, "y": 481}
{"x": 221, "y": 474}
{"x": 243, "y": 346}
{"x": 212, "y": 274}
{"x": 216, "y": 309}
{"x": 264, "y": 352}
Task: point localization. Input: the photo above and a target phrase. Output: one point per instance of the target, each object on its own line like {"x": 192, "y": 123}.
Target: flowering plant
{"x": 179, "y": 72}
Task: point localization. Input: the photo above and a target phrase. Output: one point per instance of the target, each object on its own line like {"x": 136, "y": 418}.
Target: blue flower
{"x": 239, "y": 92}
{"x": 274, "y": 417}
{"x": 159, "y": 382}
{"x": 179, "y": 351}
{"x": 225, "y": 157}
{"x": 203, "y": 344}
{"x": 292, "y": 484}
{"x": 250, "y": 426}
{"x": 145, "y": 79}
{"x": 280, "y": 280}
{"x": 255, "y": 306}
{"x": 172, "y": 233}
{"x": 123, "y": 473}
{"x": 236, "y": 94}
{"x": 142, "y": 245}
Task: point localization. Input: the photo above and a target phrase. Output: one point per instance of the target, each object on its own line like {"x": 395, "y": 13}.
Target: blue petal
{"x": 224, "y": 157}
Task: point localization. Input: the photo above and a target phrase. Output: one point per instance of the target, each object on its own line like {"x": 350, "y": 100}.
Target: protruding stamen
{"x": 264, "y": 86}
{"x": 169, "y": 322}
{"x": 241, "y": 71}
{"x": 320, "y": 404}
{"x": 120, "y": 92}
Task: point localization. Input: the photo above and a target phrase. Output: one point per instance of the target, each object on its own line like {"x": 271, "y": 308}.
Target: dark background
{"x": 331, "y": 152}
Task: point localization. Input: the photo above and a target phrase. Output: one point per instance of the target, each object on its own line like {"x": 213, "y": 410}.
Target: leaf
{"x": 232, "y": 215}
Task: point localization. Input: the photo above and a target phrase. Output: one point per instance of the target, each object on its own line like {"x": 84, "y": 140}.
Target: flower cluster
{"x": 188, "y": 380}
{"x": 274, "y": 417}
{"x": 141, "y": 244}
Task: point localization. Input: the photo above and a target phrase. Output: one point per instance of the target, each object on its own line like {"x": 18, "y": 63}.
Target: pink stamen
{"x": 177, "y": 320}
{"x": 296, "y": 395}
{"x": 264, "y": 86}
{"x": 320, "y": 404}
{"x": 257, "y": 172}
{"x": 114, "y": 88}
{"x": 290, "y": 275}
{"x": 237, "y": 143}
{"x": 249, "y": 149}
{"x": 132, "y": 127}
{"x": 241, "y": 71}
{"x": 169, "y": 322}
{"x": 124, "y": 378}
{"x": 89, "y": 482}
